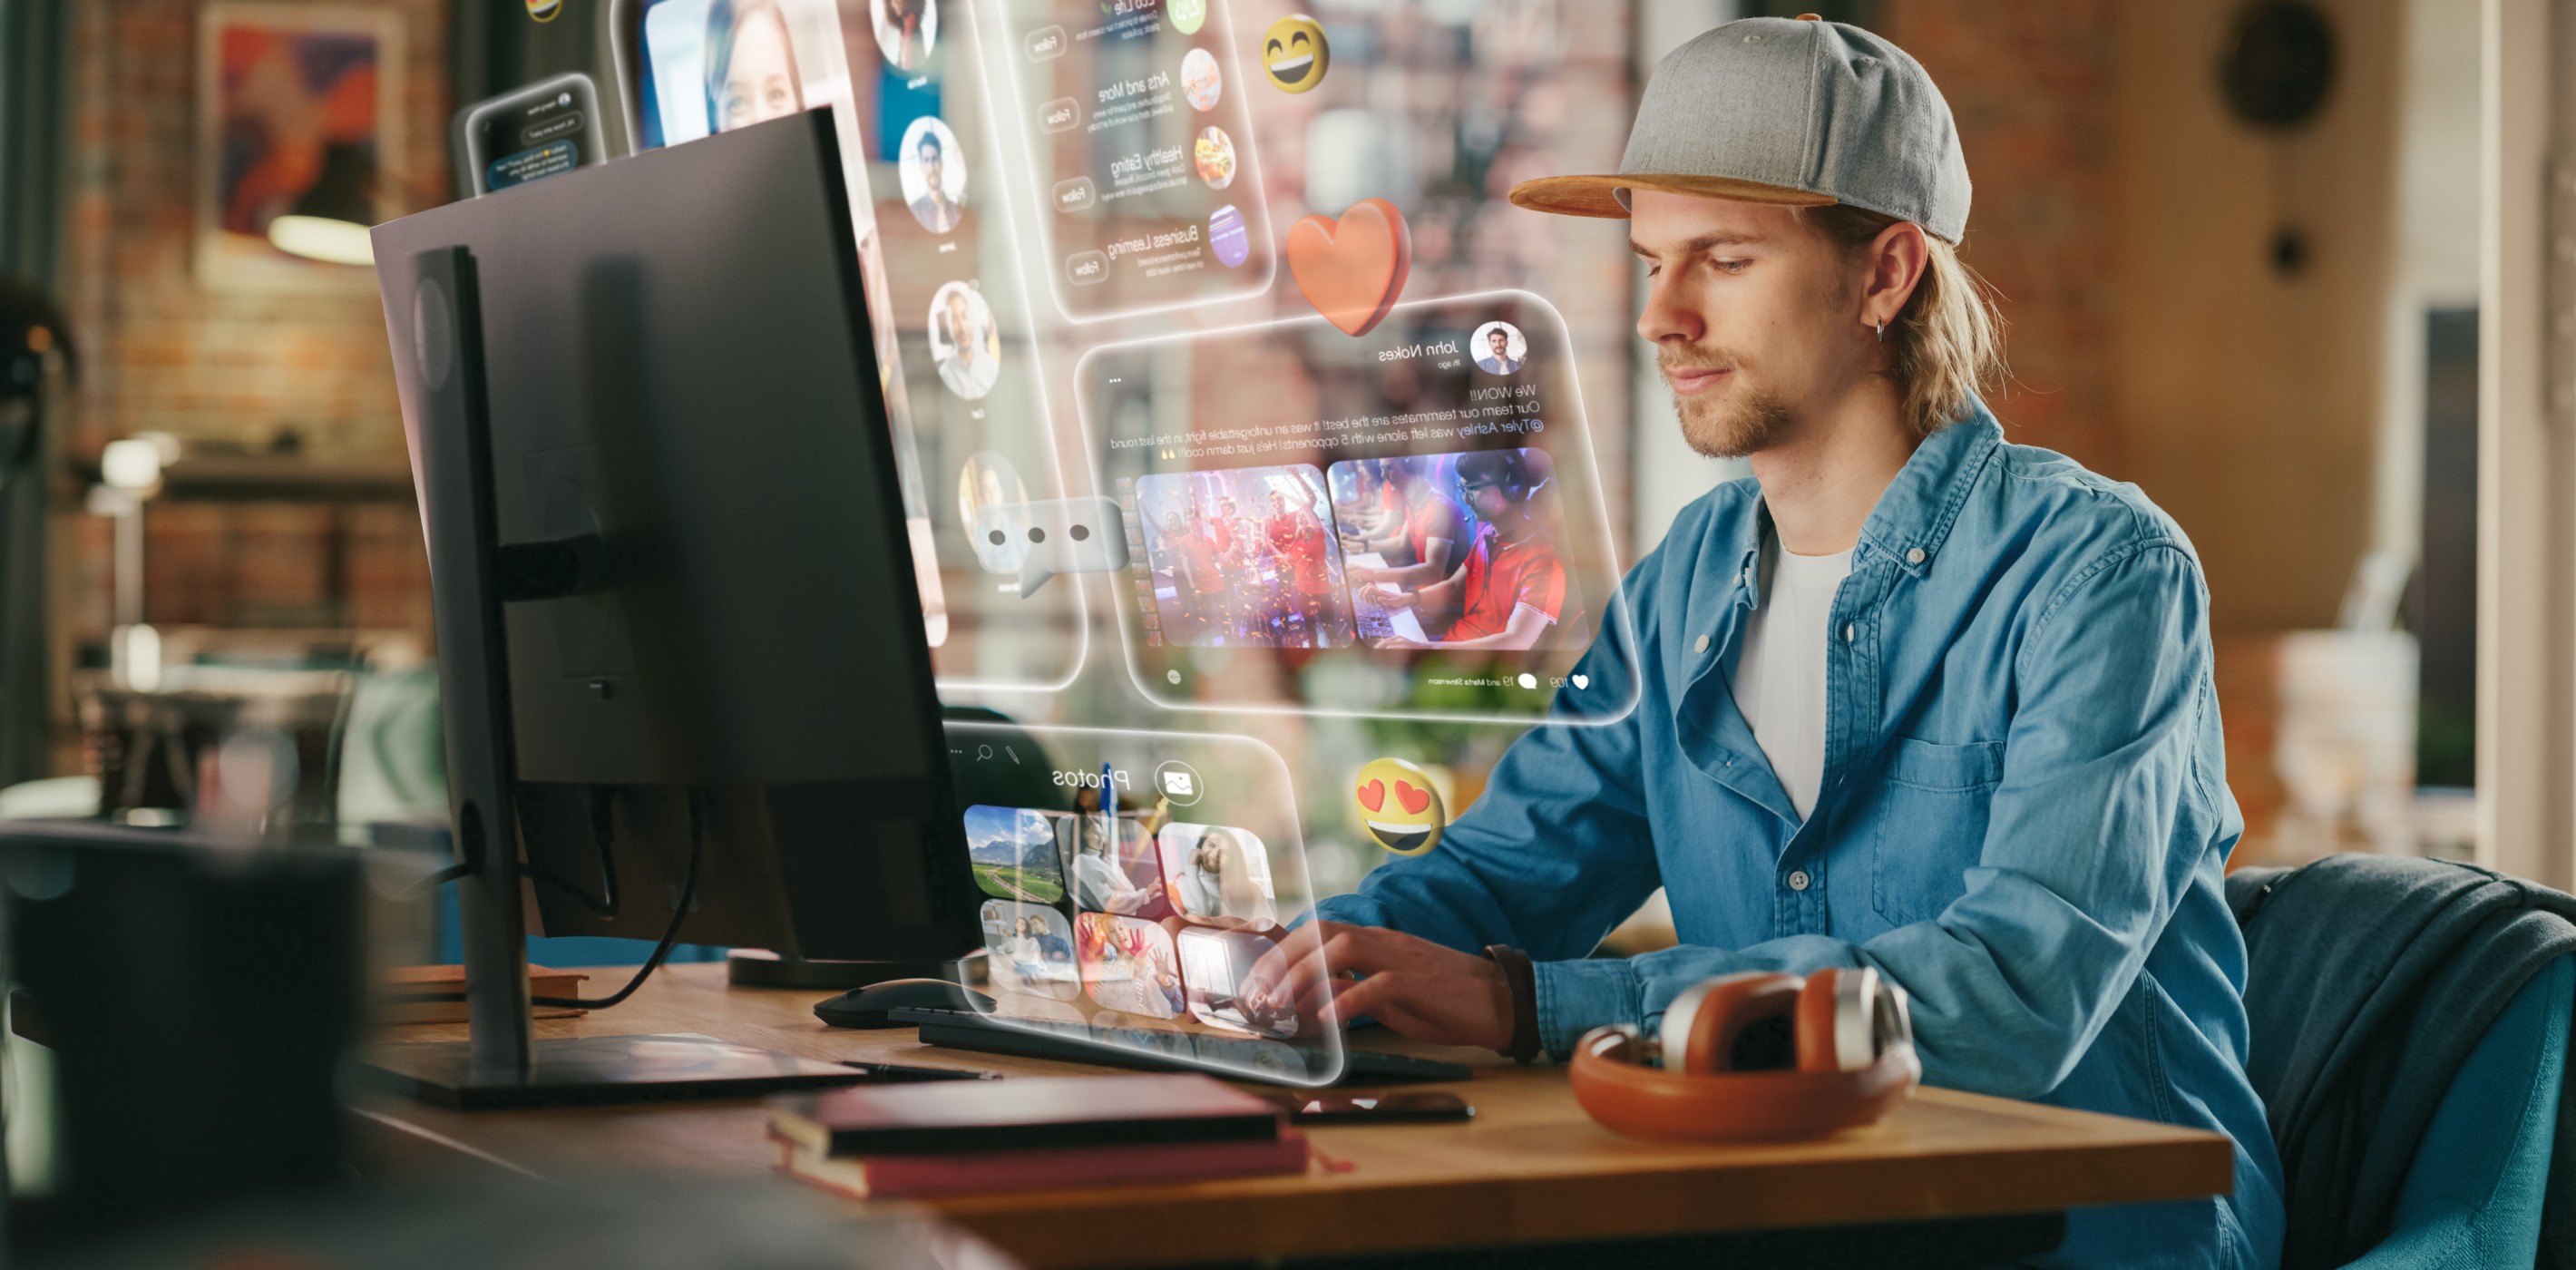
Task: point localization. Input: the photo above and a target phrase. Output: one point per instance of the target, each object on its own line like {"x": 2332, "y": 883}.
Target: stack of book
{"x": 984, "y": 1137}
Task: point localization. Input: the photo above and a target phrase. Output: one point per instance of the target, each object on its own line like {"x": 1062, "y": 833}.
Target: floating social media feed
{"x": 1431, "y": 542}
{"x": 1142, "y": 158}
{"x": 1399, "y": 808}
{"x": 1352, "y": 269}
{"x": 1295, "y": 54}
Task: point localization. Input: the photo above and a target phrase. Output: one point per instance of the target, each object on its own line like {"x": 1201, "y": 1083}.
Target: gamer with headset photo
{"x": 1915, "y": 699}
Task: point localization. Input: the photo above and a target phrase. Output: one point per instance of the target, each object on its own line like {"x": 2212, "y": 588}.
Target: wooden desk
{"x": 1530, "y": 1168}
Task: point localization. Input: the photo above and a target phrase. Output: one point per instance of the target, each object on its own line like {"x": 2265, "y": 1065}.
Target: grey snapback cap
{"x": 1785, "y": 110}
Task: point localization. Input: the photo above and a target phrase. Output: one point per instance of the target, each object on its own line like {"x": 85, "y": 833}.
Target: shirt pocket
{"x": 1929, "y": 825}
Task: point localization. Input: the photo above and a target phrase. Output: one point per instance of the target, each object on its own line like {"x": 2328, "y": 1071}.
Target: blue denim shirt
{"x": 2024, "y": 816}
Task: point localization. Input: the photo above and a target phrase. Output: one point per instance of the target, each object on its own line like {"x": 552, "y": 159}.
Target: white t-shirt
{"x": 1780, "y": 677}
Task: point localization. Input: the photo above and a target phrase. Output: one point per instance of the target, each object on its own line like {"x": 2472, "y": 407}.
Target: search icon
{"x": 983, "y": 752}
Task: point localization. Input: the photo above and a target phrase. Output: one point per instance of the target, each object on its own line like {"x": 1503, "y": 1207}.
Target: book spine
{"x": 926, "y": 1177}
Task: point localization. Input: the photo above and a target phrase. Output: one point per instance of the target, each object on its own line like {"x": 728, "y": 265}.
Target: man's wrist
{"x": 1522, "y": 982}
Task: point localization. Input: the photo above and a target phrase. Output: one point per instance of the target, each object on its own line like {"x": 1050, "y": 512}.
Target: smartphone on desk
{"x": 1428, "y": 1106}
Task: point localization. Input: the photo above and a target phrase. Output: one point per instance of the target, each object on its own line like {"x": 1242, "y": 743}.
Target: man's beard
{"x": 1738, "y": 423}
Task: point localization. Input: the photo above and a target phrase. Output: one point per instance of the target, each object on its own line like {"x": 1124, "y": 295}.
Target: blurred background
{"x": 2286, "y": 266}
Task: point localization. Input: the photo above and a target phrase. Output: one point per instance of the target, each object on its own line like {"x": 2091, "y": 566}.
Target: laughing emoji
{"x": 1295, "y": 53}
{"x": 1399, "y": 808}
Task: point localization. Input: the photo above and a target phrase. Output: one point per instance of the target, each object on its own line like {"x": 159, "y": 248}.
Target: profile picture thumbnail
{"x": 1200, "y": 81}
{"x": 965, "y": 342}
{"x": 1499, "y": 348}
{"x": 1014, "y": 854}
{"x": 990, "y": 495}
{"x": 1462, "y": 550}
{"x": 1213, "y": 966}
{"x": 1028, "y": 948}
{"x": 932, "y": 172}
{"x": 1214, "y": 154}
{"x": 1226, "y": 234}
{"x": 1120, "y": 873}
{"x": 1128, "y": 965}
{"x": 1243, "y": 557}
{"x": 751, "y": 70}
{"x": 1216, "y": 871}
{"x": 906, "y": 31}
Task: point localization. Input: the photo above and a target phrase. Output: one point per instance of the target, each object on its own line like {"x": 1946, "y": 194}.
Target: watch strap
{"x": 1523, "y": 979}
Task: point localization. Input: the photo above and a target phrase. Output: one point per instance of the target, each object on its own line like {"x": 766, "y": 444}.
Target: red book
{"x": 1022, "y": 1114}
{"x": 1059, "y": 1168}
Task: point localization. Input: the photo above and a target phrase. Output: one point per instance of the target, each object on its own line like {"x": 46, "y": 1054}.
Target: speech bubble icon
{"x": 1066, "y": 535}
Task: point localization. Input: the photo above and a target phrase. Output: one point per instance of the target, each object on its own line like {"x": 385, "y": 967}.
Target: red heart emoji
{"x": 1354, "y": 268}
{"x": 1414, "y": 800}
{"x": 1373, "y": 795}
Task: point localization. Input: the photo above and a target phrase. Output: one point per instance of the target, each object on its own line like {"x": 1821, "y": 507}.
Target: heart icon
{"x": 1352, "y": 269}
{"x": 1580, "y": 681}
{"x": 1414, "y": 800}
{"x": 1373, "y": 796}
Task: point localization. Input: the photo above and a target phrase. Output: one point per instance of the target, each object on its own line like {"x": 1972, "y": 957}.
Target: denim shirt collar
{"x": 1914, "y": 514}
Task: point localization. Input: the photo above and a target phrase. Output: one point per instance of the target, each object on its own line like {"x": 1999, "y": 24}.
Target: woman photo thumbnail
{"x": 1244, "y": 557}
{"x": 906, "y": 31}
{"x": 1029, "y": 948}
{"x": 1213, "y": 965}
{"x": 1013, "y": 852}
{"x": 1120, "y": 873}
{"x": 1215, "y": 871}
{"x": 1500, "y": 348}
{"x": 1128, "y": 965}
{"x": 1214, "y": 154}
{"x": 933, "y": 174}
{"x": 1462, "y": 551}
{"x": 965, "y": 341}
{"x": 1200, "y": 81}
{"x": 750, "y": 61}
{"x": 991, "y": 505}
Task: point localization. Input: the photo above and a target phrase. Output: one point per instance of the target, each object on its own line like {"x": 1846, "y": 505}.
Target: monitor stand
{"x": 503, "y": 1065}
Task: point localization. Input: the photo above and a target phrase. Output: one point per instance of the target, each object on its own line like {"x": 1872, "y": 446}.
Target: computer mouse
{"x": 867, "y": 1007}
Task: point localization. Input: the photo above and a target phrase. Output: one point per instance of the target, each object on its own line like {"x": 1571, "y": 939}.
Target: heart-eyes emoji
{"x": 1399, "y": 807}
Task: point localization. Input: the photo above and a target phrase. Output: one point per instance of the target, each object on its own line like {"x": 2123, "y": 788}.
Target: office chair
{"x": 2473, "y": 1195}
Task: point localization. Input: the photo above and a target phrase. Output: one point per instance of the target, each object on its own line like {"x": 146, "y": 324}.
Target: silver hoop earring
{"x": 1882, "y": 332}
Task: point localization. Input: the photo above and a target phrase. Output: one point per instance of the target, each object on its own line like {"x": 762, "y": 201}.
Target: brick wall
{"x": 163, "y": 352}
{"x": 2030, "y": 82}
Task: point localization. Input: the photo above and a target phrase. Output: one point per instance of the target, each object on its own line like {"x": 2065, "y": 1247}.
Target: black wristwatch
{"x": 1524, "y": 983}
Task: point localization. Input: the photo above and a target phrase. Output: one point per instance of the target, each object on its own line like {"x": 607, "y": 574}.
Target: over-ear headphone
{"x": 1755, "y": 1055}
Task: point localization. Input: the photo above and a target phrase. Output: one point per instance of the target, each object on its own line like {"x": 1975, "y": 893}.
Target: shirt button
{"x": 1701, "y": 646}
{"x": 1798, "y": 880}
{"x": 1851, "y": 632}
{"x": 1914, "y": 556}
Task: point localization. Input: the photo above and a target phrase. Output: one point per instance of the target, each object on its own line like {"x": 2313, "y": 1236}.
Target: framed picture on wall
{"x": 299, "y": 113}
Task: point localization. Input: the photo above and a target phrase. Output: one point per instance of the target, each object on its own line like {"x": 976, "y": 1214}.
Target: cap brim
{"x": 1598, "y": 195}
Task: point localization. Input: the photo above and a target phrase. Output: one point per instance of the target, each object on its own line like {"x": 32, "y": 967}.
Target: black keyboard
{"x": 1239, "y": 1057}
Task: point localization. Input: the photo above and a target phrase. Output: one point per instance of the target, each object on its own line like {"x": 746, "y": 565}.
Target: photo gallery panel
{"x": 1155, "y": 922}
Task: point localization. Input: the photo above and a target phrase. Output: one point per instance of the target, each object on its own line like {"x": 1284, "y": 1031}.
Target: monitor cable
{"x": 661, "y": 949}
{"x": 670, "y": 934}
{"x": 603, "y": 832}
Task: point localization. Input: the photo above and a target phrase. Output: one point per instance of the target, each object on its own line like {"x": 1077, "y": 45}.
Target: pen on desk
{"x": 900, "y": 1072}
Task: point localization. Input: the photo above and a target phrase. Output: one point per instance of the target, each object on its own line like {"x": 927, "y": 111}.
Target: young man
{"x": 1912, "y": 697}
{"x": 1498, "y": 353}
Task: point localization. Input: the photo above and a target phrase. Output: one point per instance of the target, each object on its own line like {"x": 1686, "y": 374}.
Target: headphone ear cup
{"x": 1707, "y": 1025}
{"x": 1838, "y": 1023}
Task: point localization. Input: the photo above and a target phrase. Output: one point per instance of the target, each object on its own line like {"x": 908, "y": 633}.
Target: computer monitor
{"x": 681, "y": 648}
